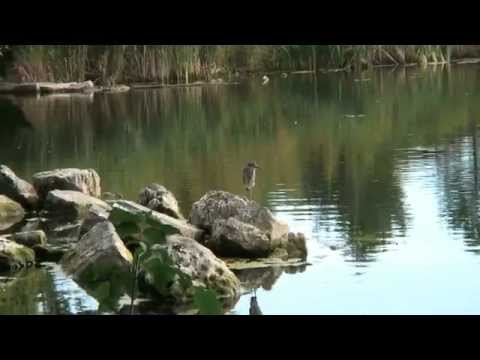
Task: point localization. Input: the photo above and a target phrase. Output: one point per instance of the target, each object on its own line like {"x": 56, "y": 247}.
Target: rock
{"x": 74, "y": 204}
{"x": 17, "y": 189}
{"x": 238, "y": 227}
{"x": 10, "y": 212}
{"x": 233, "y": 238}
{"x": 295, "y": 269}
{"x": 259, "y": 277}
{"x": 263, "y": 219}
{"x": 14, "y": 256}
{"x": 31, "y": 224}
{"x": 237, "y": 264}
{"x": 158, "y": 198}
{"x": 10, "y": 208}
{"x": 85, "y": 181}
{"x": 61, "y": 231}
{"x": 296, "y": 246}
{"x": 46, "y": 253}
{"x": 182, "y": 226}
{"x": 94, "y": 217}
{"x": 280, "y": 253}
{"x": 217, "y": 205}
{"x": 100, "y": 263}
{"x": 204, "y": 268}
{"x": 29, "y": 239}
{"x": 65, "y": 233}
{"x": 100, "y": 253}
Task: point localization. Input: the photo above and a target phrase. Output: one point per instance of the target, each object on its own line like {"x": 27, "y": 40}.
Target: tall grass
{"x": 108, "y": 64}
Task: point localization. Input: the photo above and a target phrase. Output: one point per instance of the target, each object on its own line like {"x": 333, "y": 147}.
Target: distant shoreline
{"x": 87, "y": 87}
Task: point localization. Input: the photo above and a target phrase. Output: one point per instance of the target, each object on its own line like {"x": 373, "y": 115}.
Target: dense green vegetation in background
{"x": 187, "y": 63}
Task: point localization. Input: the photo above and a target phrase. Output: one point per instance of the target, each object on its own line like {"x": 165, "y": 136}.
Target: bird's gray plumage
{"x": 249, "y": 175}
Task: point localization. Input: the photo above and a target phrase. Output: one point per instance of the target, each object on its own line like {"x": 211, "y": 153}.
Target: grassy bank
{"x": 109, "y": 64}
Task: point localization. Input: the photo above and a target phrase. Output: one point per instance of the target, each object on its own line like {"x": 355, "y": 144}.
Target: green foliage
{"x": 119, "y": 216}
{"x": 207, "y": 302}
{"x": 163, "y": 274}
{"x": 148, "y": 236}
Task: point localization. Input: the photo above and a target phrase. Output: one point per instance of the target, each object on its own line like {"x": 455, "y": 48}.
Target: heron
{"x": 265, "y": 79}
{"x": 249, "y": 175}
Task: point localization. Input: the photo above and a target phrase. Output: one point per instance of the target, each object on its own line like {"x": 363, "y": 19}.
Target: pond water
{"x": 379, "y": 171}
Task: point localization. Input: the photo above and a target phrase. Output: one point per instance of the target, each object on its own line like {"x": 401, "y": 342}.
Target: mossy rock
{"x": 14, "y": 256}
{"x": 10, "y": 208}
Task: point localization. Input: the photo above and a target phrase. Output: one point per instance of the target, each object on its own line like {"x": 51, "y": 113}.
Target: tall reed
{"x": 108, "y": 64}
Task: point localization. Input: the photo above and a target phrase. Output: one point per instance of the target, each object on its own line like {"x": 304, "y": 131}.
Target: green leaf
{"x": 161, "y": 273}
{"x": 119, "y": 216}
{"x": 184, "y": 280}
{"x": 167, "y": 229}
{"x": 125, "y": 229}
{"x": 206, "y": 302}
{"x": 143, "y": 247}
{"x": 162, "y": 255}
{"x": 154, "y": 236}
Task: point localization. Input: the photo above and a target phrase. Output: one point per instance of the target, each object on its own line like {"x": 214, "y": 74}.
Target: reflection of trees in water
{"x": 352, "y": 173}
{"x": 197, "y": 139}
{"x": 368, "y": 203}
{"x": 32, "y": 292}
{"x": 458, "y": 176}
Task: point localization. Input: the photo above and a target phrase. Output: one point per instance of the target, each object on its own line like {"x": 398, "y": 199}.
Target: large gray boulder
{"x": 217, "y": 205}
{"x": 158, "y": 198}
{"x": 238, "y": 227}
{"x": 182, "y": 226}
{"x": 99, "y": 252}
{"x": 95, "y": 216}
{"x": 17, "y": 189}
{"x": 231, "y": 238}
{"x": 85, "y": 181}
{"x": 101, "y": 264}
{"x": 72, "y": 204}
{"x": 10, "y": 212}
{"x": 204, "y": 268}
{"x": 14, "y": 256}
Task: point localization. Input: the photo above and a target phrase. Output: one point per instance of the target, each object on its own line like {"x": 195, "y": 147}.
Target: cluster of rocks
{"x": 220, "y": 225}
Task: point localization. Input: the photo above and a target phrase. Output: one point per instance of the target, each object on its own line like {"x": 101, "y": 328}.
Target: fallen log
{"x": 19, "y": 89}
{"x": 467, "y": 61}
{"x": 45, "y": 87}
{"x": 65, "y": 87}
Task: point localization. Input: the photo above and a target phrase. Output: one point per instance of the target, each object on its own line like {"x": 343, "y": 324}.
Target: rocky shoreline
{"x": 62, "y": 217}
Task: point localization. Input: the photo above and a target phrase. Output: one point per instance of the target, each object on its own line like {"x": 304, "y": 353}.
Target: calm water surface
{"x": 380, "y": 174}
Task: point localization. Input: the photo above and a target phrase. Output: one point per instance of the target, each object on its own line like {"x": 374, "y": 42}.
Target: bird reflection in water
{"x": 254, "y": 307}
